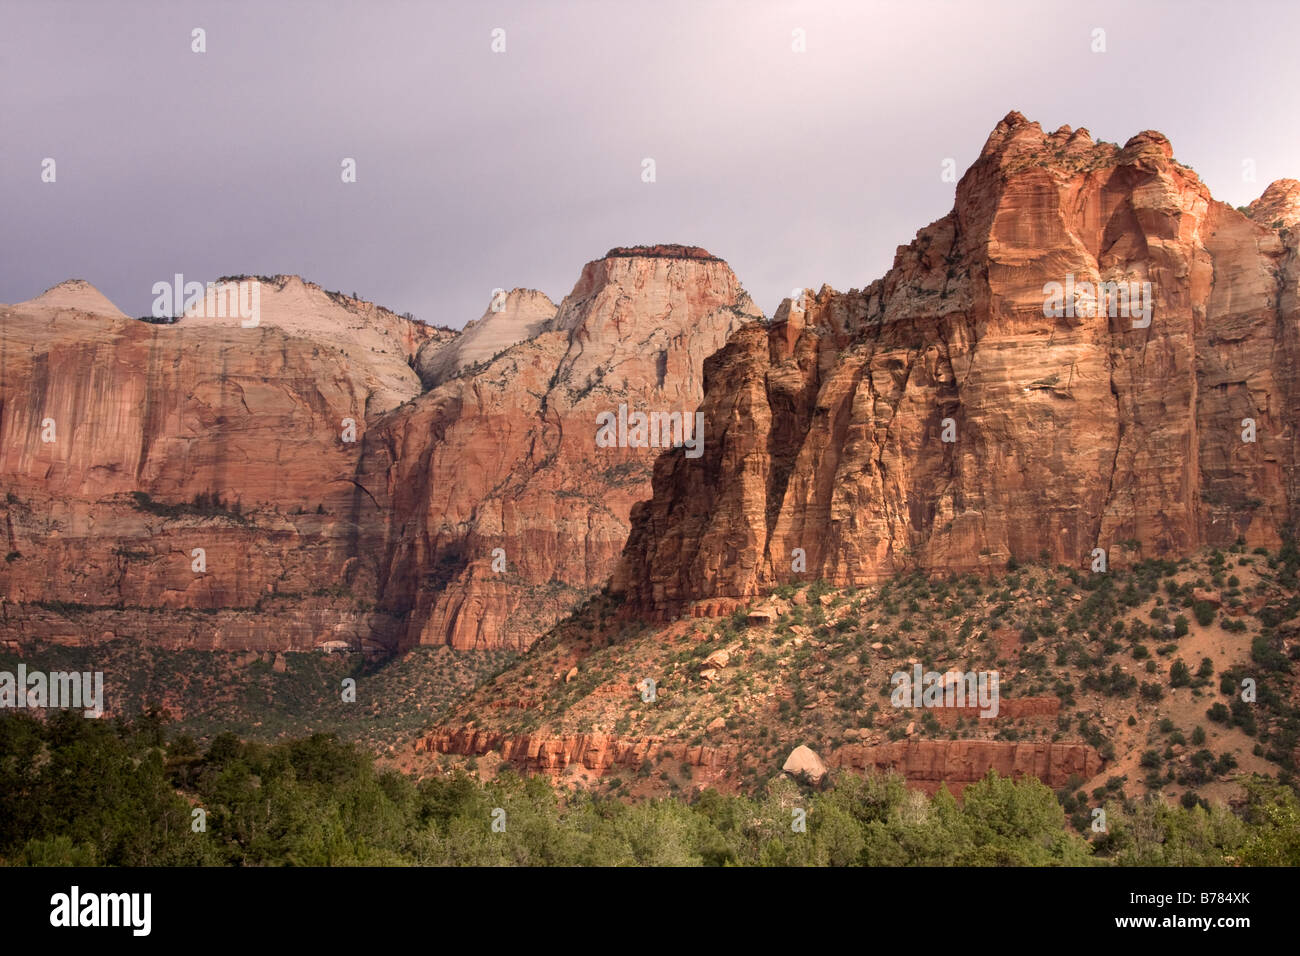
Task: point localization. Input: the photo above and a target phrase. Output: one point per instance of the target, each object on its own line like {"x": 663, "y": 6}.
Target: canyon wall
{"x": 942, "y": 419}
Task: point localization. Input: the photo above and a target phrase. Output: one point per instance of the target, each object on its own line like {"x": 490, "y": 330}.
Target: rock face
{"x": 1279, "y": 207}
{"x": 369, "y": 336}
{"x": 504, "y": 510}
{"x": 928, "y": 764}
{"x": 946, "y": 418}
{"x": 510, "y": 319}
{"x": 803, "y": 763}
{"x": 125, "y": 446}
{"x": 331, "y": 498}
{"x": 556, "y": 753}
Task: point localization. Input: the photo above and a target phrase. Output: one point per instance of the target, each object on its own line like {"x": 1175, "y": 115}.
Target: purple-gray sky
{"x": 478, "y": 169}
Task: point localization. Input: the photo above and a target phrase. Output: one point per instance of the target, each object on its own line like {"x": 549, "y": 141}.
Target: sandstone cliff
{"x": 940, "y": 419}
{"x": 331, "y": 498}
{"x": 925, "y": 764}
{"x": 126, "y": 446}
{"x": 506, "y": 458}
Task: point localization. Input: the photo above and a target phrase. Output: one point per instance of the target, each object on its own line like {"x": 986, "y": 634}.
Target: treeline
{"x": 95, "y": 792}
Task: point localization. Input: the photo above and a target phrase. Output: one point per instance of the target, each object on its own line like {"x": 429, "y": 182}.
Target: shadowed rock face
{"x": 204, "y": 434}
{"x": 1068, "y": 433}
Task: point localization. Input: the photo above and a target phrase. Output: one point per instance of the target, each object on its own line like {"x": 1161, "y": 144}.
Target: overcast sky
{"x": 478, "y": 169}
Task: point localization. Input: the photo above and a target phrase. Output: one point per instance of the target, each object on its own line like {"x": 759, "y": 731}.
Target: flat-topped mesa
{"x": 624, "y": 313}
{"x": 662, "y": 251}
{"x": 524, "y": 314}
{"x": 960, "y": 412}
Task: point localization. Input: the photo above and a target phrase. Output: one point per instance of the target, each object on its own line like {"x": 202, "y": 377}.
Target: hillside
{"x": 1121, "y": 683}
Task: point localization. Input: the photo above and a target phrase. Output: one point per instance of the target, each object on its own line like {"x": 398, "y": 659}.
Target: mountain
{"x": 943, "y": 419}
{"x": 125, "y": 446}
{"x": 507, "y": 457}
{"x": 332, "y": 496}
{"x": 1060, "y": 427}
{"x": 917, "y": 475}
{"x": 72, "y": 296}
{"x": 1279, "y": 207}
{"x": 511, "y": 318}
{"x": 359, "y": 329}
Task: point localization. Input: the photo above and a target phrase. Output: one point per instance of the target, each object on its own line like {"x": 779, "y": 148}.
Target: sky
{"x": 479, "y": 168}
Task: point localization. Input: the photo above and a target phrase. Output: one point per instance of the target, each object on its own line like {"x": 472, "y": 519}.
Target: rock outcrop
{"x": 925, "y": 764}
{"x": 804, "y": 764}
{"x": 929, "y": 764}
{"x": 960, "y": 412}
{"x": 1279, "y": 206}
{"x": 556, "y": 753}
{"x": 511, "y": 318}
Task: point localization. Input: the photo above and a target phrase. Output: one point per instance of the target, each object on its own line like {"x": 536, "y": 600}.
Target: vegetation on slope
{"x": 95, "y": 792}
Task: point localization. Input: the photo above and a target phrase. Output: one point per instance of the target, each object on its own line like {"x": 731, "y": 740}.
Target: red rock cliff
{"x": 507, "y": 458}
{"x": 209, "y": 435}
{"x": 827, "y": 427}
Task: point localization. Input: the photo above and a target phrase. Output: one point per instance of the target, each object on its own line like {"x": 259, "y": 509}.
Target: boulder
{"x": 803, "y": 763}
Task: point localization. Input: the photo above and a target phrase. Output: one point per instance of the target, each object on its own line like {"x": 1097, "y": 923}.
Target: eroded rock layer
{"x": 926, "y": 764}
